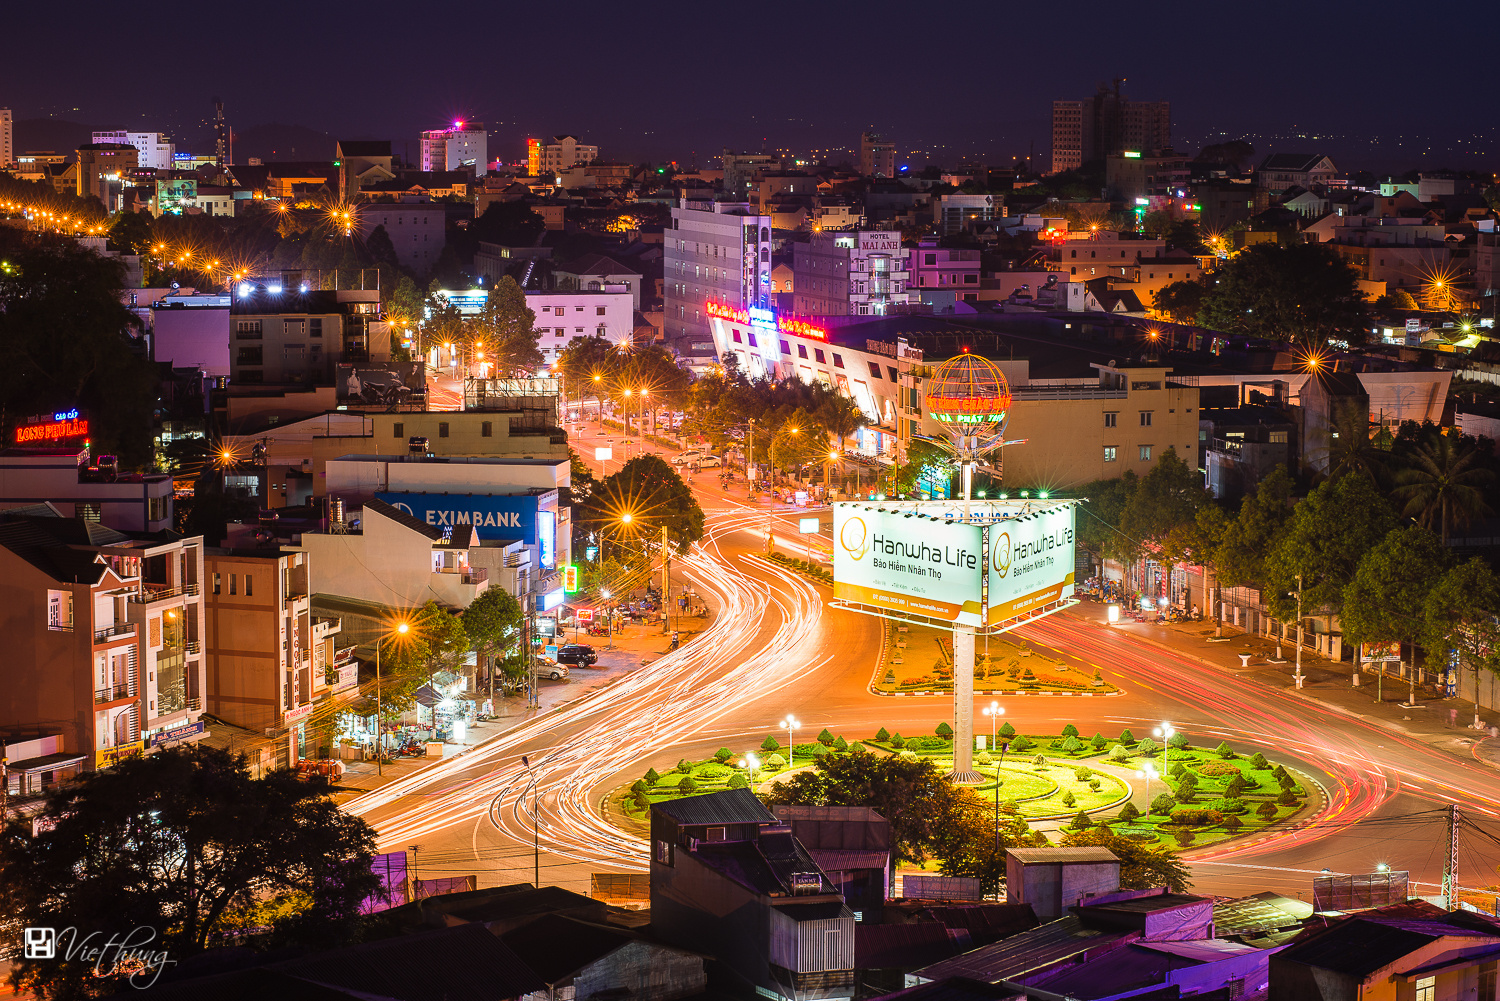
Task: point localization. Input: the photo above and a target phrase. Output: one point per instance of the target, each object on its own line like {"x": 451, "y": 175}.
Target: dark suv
{"x": 577, "y": 655}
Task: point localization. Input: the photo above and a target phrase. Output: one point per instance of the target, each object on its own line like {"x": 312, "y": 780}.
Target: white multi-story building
{"x": 862, "y": 273}
{"x": 156, "y": 151}
{"x": 465, "y": 144}
{"x": 714, "y": 252}
{"x": 561, "y": 153}
{"x": 563, "y": 316}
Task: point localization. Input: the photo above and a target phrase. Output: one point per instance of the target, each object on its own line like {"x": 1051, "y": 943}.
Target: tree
{"x": 737, "y": 781}
{"x": 1327, "y": 536}
{"x": 1129, "y": 814}
{"x": 969, "y": 844}
{"x": 590, "y": 366}
{"x": 1462, "y": 614}
{"x": 1179, "y": 301}
{"x": 1387, "y": 598}
{"x": 1140, "y": 867}
{"x": 382, "y": 251}
{"x": 913, "y": 796}
{"x": 1146, "y": 747}
{"x": 1169, "y": 496}
{"x": 882, "y": 735}
{"x": 171, "y": 842}
{"x": 927, "y": 463}
{"x": 770, "y": 744}
{"x": 492, "y": 623}
{"x": 1301, "y": 294}
{"x": 1443, "y": 483}
{"x": 655, "y": 497}
{"x": 405, "y": 308}
{"x": 1070, "y": 730}
{"x": 507, "y": 326}
{"x": 825, "y": 737}
{"x": 687, "y": 786}
{"x": 1102, "y": 509}
{"x": 944, "y": 730}
{"x": 130, "y": 233}
{"x": 1201, "y": 541}
{"x": 50, "y": 285}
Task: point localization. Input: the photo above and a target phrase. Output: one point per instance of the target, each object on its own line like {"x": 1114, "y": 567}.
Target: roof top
{"x": 1291, "y": 161}
{"x": 1055, "y": 855}
{"x": 905, "y": 946}
{"x": 1122, "y": 970}
{"x": 47, "y": 544}
{"x": 732, "y": 806}
{"x": 245, "y": 985}
{"x": 1259, "y": 912}
{"x": 845, "y": 859}
{"x": 763, "y": 868}
{"x": 512, "y": 904}
{"x": 595, "y": 264}
{"x": 1148, "y": 905}
{"x": 1036, "y": 949}
{"x": 1370, "y": 940}
{"x": 985, "y": 923}
{"x": 400, "y": 517}
{"x": 365, "y": 147}
{"x": 556, "y": 947}
{"x": 950, "y": 989}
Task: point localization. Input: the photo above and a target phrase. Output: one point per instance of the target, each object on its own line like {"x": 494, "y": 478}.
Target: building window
{"x": 398, "y": 430}
{"x": 785, "y": 348}
{"x": 249, "y": 586}
{"x": 1110, "y": 453}
{"x": 1145, "y": 418}
{"x": 818, "y": 356}
{"x": 233, "y": 584}
{"x": 838, "y": 360}
{"x": 315, "y": 327}
{"x": 217, "y": 583}
{"x": 715, "y": 834}
{"x": 487, "y": 429}
{"x": 1278, "y": 437}
{"x": 442, "y": 429}
{"x": 1110, "y": 417}
{"x": 1145, "y": 453}
{"x": 874, "y": 370}
{"x": 663, "y": 853}
{"x": 736, "y": 335}
{"x": 599, "y": 310}
{"x": 802, "y": 351}
{"x": 1426, "y": 989}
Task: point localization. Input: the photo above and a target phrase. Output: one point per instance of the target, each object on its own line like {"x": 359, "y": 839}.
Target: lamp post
{"x": 790, "y": 724}
{"x": 402, "y": 628}
{"x": 536, "y": 836}
{"x": 1148, "y": 772}
{"x": 1298, "y": 675}
{"x": 1166, "y": 733}
{"x": 750, "y": 763}
{"x": 1003, "y": 748}
{"x": 598, "y": 397}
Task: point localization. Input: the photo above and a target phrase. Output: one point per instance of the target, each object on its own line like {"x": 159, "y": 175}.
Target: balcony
{"x": 113, "y": 693}
{"x": 110, "y": 632}
{"x": 60, "y": 627}
{"x": 475, "y": 575}
{"x": 193, "y": 647}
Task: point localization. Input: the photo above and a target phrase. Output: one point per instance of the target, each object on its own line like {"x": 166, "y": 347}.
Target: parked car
{"x": 709, "y": 462}
{"x": 577, "y": 655}
{"x": 555, "y": 671}
{"x": 687, "y": 458}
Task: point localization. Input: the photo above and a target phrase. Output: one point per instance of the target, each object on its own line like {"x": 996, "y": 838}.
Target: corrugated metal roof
{"x": 733, "y": 806}
{"x": 905, "y": 946}
{"x": 1038, "y": 856}
{"x": 1036, "y": 949}
{"x": 840, "y": 860}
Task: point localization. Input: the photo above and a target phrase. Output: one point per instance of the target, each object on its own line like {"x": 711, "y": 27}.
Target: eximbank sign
{"x": 905, "y": 562}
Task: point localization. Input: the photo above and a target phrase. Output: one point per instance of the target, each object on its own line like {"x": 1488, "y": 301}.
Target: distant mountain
{"x": 282, "y": 142}
{"x": 38, "y": 134}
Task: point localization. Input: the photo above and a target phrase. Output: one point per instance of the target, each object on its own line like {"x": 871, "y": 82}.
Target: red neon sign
{"x": 799, "y": 328}
{"x": 726, "y": 312}
{"x": 77, "y": 427}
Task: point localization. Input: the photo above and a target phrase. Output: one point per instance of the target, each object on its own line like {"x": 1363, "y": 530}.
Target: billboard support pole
{"x": 963, "y": 705}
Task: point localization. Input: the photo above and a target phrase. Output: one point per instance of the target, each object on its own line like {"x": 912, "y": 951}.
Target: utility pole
{"x": 1299, "y": 631}
{"x": 666, "y": 583}
{"x": 379, "y": 735}
{"x": 1450, "y": 864}
{"x": 414, "y": 880}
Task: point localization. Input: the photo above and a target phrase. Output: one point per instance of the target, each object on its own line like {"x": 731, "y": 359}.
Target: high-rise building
{"x": 559, "y": 154}
{"x": 7, "y": 139}
{"x": 1109, "y": 123}
{"x": 715, "y": 252}
{"x": 103, "y": 171}
{"x": 464, "y": 144}
{"x": 861, "y": 273}
{"x": 740, "y": 170}
{"x": 877, "y": 157}
{"x": 153, "y": 148}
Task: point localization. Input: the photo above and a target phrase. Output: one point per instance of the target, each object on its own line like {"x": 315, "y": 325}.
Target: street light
{"x": 790, "y": 724}
{"x": 401, "y": 629}
{"x": 750, "y": 763}
{"x": 1148, "y": 772}
{"x": 1166, "y": 733}
{"x": 536, "y": 837}
{"x": 994, "y": 711}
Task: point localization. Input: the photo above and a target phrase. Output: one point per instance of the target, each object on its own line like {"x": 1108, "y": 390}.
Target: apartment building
{"x": 270, "y": 659}
{"x": 67, "y": 478}
{"x": 417, "y": 230}
{"x": 562, "y": 152}
{"x": 104, "y": 634}
{"x": 7, "y": 138}
{"x": 103, "y": 170}
{"x": 297, "y": 336}
{"x": 464, "y": 144}
{"x": 1108, "y": 122}
{"x": 877, "y": 156}
{"x": 862, "y": 273}
{"x": 714, "y": 252}
{"x": 154, "y": 149}
{"x": 945, "y": 268}
{"x": 566, "y": 315}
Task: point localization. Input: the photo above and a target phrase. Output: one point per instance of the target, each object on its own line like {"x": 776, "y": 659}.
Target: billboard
{"x": 1031, "y": 561}
{"x": 381, "y": 383}
{"x": 495, "y": 516}
{"x": 909, "y": 561}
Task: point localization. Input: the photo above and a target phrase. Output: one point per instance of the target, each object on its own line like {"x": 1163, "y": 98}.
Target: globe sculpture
{"x": 969, "y": 396}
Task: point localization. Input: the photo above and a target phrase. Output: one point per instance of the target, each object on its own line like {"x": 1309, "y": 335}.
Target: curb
{"x": 998, "y": 694}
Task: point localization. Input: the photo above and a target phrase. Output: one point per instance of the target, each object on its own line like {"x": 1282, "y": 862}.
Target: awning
{"x": 46, "y": 763}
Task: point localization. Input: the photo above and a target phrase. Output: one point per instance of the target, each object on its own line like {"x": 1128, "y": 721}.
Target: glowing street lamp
{"x": 790, "y": 724}
{"x": 400, "y": 628}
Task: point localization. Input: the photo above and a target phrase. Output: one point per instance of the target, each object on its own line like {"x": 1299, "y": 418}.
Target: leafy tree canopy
{"x": 654, "y": 496}
{"x": 1301, "y": 294}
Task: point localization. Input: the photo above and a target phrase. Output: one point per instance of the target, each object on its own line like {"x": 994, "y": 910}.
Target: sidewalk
{"x": 637, "y": 646}
{"x": 1435, "y": 720}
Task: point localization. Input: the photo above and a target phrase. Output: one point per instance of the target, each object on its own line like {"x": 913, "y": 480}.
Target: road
{"x": 775, "y": 647}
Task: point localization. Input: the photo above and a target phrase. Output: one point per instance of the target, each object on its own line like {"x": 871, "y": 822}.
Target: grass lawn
{"x": 922, "y": 660}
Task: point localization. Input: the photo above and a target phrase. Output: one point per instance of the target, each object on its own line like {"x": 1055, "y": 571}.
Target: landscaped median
{"x": 821, "y": 575}
{"x": 1198, "y": 796}
{"x": 919, "y": 661}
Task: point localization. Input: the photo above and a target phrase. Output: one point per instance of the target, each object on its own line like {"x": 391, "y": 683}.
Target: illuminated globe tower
{"x": 970, "y": 397}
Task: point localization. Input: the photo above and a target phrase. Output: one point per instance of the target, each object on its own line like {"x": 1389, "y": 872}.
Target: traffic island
{"x": 919, "y": 661}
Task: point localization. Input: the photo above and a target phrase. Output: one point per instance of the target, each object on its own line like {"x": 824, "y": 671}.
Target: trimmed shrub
{"x": 1235, "y": 786}
{"x": 1217, "y": 769}
{"x": 1009, "y": 808}
{"x": 840, "y": 744}
{"x": 1287, "y": 783}
{"x": 1232, "y": 824}
{"x": 687, "y": 785}
{"x": 1056, "y": 744}
{"x": 1099, "y": 743}
{"x": 639, "y": 785}
{"x": 1119, "y": 753}
{"x": 1022, "y": 743}
{"x": 1266, "y": 811}
{"x": 944, "y": 730}
{"x": 1258, "y": 762}
{"x": 1081, "y": 822}
{"x": 1178, "y": 770}
{"x": 1184, "y": 838}
{"x": 1196, "y": 816}
{"x": 1146, "y": 747}
{"x": 1070, "y": 730}
{"x": 737, "y": 781}
{"x": 1083, "y": 773}
{"x": 1007, "y": 731}
{"x": 1040, "y": 761}
{"x": 1069, "y": 800}
{"x": 825, "y": 738}
{"x": 1129, "y": 814}
{"x": 651, "y": 777}
{"x": 1178, "y": 742}
{"x": 1094, "y": 784}
{"x": 1072, "y": 745}
{"x": 1287, "y": 798}
{"x": 770, "y": 744}
{"x": 642, "y": 801}
{"x": 685, "y": 766}
{"x": 818, "y": 750}
{"x": 1227, "y": 805}
{"x": 1280, "y": 774}
{"x": 713, "y": 771}
{"x": 908, "y": 755}
{"x": 776, "y": 761}
{"x": 882, "y": 735}
{"x": 1224, "y": 750}
{"x": 1163, "y": 804}
{"x": 1126, "y": 737}
{"x": 898, "y": 741}
{"x": 983, "y": 758}
{"x": 723, "y": 754}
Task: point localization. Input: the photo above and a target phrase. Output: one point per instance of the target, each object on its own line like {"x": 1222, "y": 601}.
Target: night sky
{"x": 1381, "y": 85}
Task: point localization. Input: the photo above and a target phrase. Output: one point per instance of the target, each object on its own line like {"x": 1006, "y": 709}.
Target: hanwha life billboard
{"x": 908, "y": 563}
{"x": 904, "y": 561}
{"x": 1031, "y": 561}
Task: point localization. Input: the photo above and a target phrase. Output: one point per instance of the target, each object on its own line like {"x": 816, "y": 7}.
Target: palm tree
{"x": 1443, "y": 483}
{"x": 1349, "y": 447}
